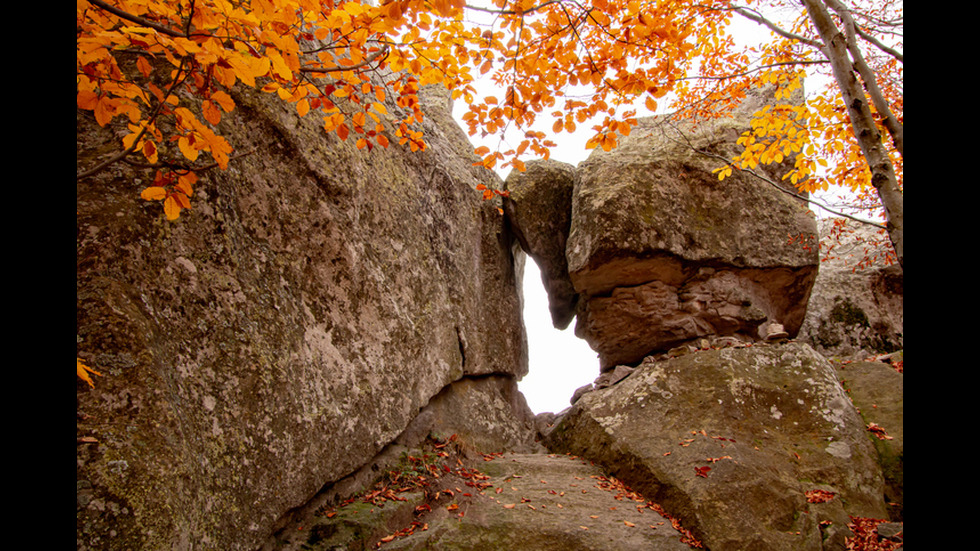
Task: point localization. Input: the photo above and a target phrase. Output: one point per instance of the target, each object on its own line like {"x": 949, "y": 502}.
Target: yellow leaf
{"x": 150, "y": 151}
{"x": 182, "y": 200}
{"x": 154, "y": 193}
{"x": 224, "y": 100}
{"x": 185, "y": 183}
{"x": 187, "y": 149}
{"x": 104, "y": 111}
{"x": 87, "y": 99}
{"x": 144, "y": 66}
{"x": 303, "y": 107}
{"x": 171, "y": 208}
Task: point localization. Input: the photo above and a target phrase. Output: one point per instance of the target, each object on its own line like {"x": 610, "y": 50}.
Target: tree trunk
{"x": 869, "y": 138}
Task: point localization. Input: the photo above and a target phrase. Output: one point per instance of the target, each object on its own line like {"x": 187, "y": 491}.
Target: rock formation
{"x": 732, "y": 441}
{"x": 285, "y": 330}
{"x": 323, "y": 353}
{"x": 658, "y": 251}
{"x": 663, "y": 252}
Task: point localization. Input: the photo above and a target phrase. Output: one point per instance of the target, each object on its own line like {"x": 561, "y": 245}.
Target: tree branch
{"x": 135, "y": 19}
{"x": 774, "y": 184}
{"x": 179, "y": 79}
{"x": 367, "y": 61}
{"x": 895, "y": 128}
{"x": 865, "y": 129}
{"x": 755, "y": 16}
{"x": 514, "y": 12}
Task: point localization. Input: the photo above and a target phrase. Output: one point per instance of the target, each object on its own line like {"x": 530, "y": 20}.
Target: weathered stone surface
{"x": 546, "y": 502}
{"x": 877, "y": 391}
{"x": 539, "y": 210}
{"x": 662, "y": 252}
{"x": 729, "y": 441}
{"x": 489, "y": 413}
{"x": 283, "y": 331}
{"x": 854, "y": 311}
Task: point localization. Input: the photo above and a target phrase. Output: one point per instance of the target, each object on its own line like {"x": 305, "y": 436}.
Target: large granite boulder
{"x": 286, "y": 329}
{"x": 743, "y": 445}
{"x": 662, "y": 252}
{"x": 856, "y": 308}
{"x": 539, "y": 211}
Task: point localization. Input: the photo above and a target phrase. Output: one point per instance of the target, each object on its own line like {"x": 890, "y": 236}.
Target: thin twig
{"x": 156, "y": 111}
{"x": 135, "y": 19}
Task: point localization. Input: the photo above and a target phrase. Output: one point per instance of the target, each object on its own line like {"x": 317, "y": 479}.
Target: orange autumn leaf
{"x": 154, "y": 193}
{"x": 83, "y": 372}
{"x": 172, "y": 207}
{"x": 591, "y": 63}
{"x": 211, "y": 112}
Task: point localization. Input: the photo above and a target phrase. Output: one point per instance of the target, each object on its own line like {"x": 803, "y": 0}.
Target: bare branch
{"x": 776, "y": 185}
{"x": 687, "y": 143}
{"x": 877, "y": 43}
{"x": 755, "y": 16}
{"x": 514, "y": 12}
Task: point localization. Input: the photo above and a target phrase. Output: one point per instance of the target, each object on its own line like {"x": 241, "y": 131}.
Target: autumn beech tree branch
{"x": 782, "y": 189}
{"x": 134, "y": 19}
{"x": 600, "y": 57}
{"x": 366, "y": 62}
{"x": 527, "y": 11}
{"x": 177, "y": 82}
{"x": 865, "y": 130}
{"x": 895, "y": 128}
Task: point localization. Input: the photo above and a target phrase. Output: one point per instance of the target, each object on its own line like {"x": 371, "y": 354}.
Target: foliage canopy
{"x": 166, "y": 71}
{"x": 570, "y": 62}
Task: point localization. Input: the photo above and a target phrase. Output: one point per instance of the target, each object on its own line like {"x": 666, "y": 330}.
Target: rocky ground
{"x": 447, "y": 497}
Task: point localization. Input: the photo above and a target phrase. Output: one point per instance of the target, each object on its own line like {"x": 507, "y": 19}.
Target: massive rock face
{"x": 286, "y": 329}
{"x": 731, "y": 441}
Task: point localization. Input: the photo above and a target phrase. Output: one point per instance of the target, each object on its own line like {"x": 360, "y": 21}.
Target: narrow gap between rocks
{"x": 558, "y": 361}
